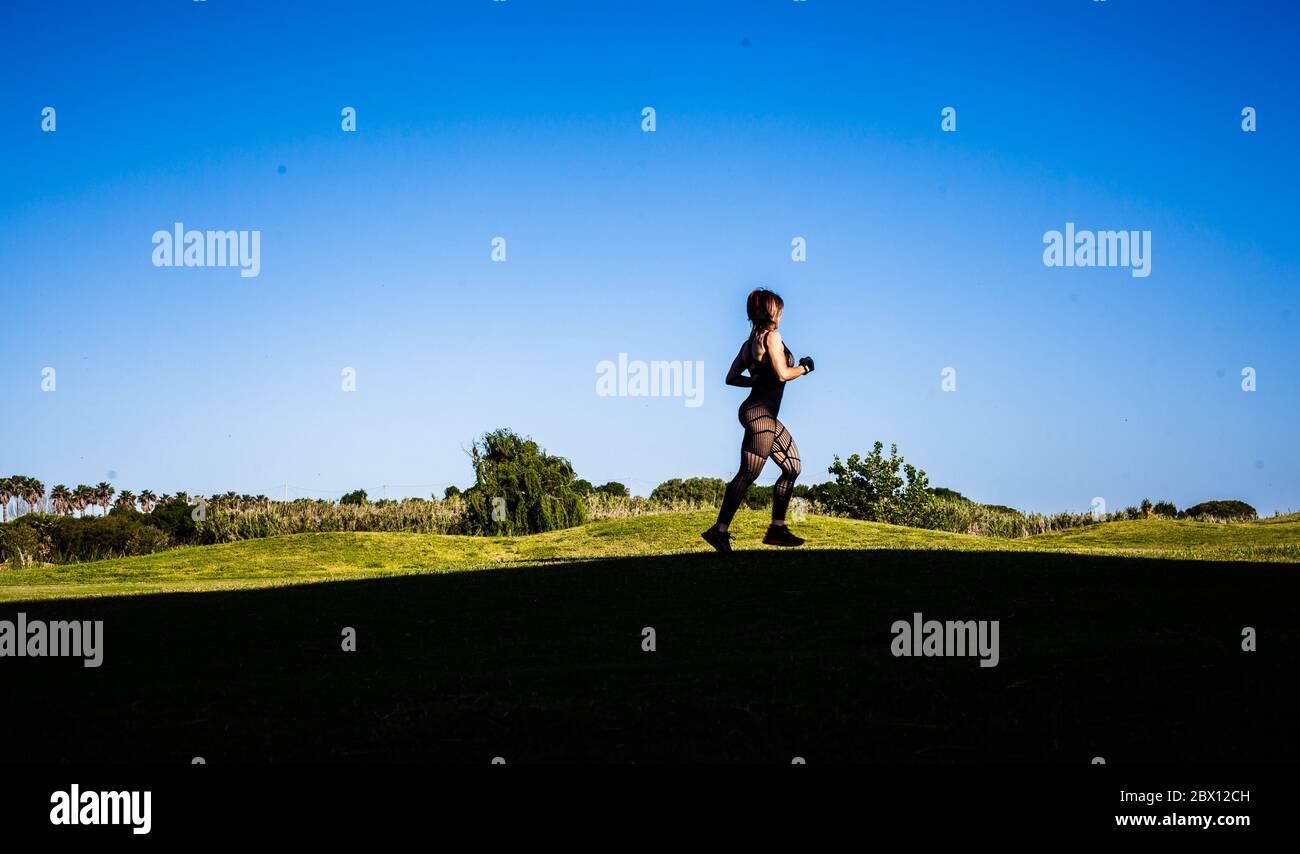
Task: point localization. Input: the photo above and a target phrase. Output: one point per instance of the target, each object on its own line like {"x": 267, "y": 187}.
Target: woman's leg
{"x": 786, "y": 455}
{"x": 760, "y": 430}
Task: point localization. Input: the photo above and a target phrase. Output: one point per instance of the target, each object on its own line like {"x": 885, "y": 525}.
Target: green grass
{"x": 306, "y": 558}
{"x": 1111, "y": 645}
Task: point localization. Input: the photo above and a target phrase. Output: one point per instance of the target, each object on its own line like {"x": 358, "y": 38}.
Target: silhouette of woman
{"x": 771, "y": 365}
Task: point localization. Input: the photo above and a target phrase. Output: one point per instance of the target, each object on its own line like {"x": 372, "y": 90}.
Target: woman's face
{"x": 776, "y": 321}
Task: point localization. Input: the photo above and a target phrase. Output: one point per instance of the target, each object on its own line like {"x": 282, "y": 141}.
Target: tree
{"x": 147, "y": 500}
{"x": 7, "y": 489}
{"x": 519, "y": 488}
{"x": 125, "y": 499}
{"x": 33, "y": 494}
{"x": 692, "y": 490}
{"x": 61, "y": 498}
{"x": 104, "y": 494}
{"x": 82, "y": 497}
{"x": 615, "y": 489}
{"x": 356, "y": 496}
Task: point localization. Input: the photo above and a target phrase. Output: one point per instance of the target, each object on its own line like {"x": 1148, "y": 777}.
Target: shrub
{"x": 39, "y": 538}
{"x": 175, "y": 517}
{"x": 24, "y": 542}
{"x": 1164, "y": 509}
{"x": 872, "y": 488}
{"x": 1221, "y": 511}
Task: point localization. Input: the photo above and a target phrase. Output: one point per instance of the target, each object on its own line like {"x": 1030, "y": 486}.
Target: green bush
{"x": 40, "y": 538}
{"x": 175, "y": 517}
{"x": 519, "y": 488}
{"x": 872, "y": 488}
{"x": 1164, "y": 509}
{"x": 1221, "y": 510}
{"x": 24, "y": 541}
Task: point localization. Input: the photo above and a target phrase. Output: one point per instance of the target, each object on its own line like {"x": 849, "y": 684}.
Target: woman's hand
{"x": 807, "y": 363}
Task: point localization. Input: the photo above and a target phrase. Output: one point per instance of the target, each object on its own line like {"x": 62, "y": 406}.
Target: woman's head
{"x": 764, "y": 308}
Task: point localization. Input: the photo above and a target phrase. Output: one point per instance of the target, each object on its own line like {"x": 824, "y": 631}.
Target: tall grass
{"x": 310, "y": 517}
{"x": 603, "y": 506}
{"x": 968, "y": 517}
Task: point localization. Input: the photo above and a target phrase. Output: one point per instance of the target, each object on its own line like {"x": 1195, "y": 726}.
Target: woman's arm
{"x": 736, "y": 375}
{"x": 783, "y": 372}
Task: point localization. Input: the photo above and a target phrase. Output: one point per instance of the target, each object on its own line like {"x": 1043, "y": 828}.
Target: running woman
{"x": 771, "y": 365}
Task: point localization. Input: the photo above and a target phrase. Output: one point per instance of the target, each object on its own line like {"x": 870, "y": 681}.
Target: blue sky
{"x": 775, "y": 119}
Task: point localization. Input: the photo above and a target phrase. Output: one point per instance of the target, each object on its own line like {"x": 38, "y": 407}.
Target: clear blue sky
{"x": 775, "y": 119}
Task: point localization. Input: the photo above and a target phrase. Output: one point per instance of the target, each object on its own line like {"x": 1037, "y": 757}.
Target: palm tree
{"x": 125, "y": 498}
{"x": 82, "y": 497}
{"x": 7, "y": 489}
{"x": 104, "y": 494}
{"x": 147, "y": 500}
{"x": 61, "y": 498}
{"x": 33, "y": 493}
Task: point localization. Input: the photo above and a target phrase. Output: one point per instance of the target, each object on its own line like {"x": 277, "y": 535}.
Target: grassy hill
{"x": 1275, "y": 539}
{"x": 537, "y": 657}
{"x": 307, "y": 558}
{"x": 1113, "y": 644}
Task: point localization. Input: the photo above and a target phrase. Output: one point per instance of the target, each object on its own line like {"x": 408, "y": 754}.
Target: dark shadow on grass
{"x": 762, "y": 657}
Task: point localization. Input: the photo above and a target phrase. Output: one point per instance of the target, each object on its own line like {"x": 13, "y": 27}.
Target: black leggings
{"x": 764, "y": 437}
